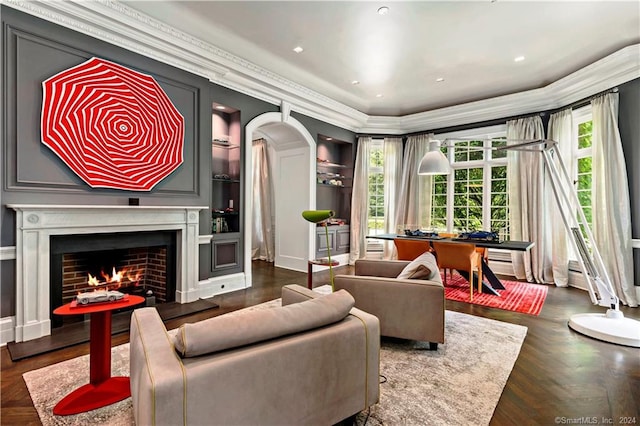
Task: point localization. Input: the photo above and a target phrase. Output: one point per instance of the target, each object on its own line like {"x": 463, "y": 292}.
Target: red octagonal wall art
{"x": 114, "y": 127}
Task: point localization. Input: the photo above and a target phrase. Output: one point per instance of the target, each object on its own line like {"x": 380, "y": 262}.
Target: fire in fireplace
{"x": 141, "y": 263}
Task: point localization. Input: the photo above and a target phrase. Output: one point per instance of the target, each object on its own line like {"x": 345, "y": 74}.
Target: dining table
{"x": 492, "y": 283}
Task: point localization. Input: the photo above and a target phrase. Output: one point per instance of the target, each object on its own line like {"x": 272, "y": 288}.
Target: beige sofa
{"x": 313, "y": 361}
{"x": 407, "y": 308}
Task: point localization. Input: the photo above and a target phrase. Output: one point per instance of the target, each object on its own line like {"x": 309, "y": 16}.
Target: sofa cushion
{"x": 252, "y": 326}
{"x": 424, "y": 267}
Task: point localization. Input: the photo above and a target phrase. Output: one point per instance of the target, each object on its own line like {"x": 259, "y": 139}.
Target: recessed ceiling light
{"x": 220, "y": 107}
{"x": 329, "y": 139}
{"x": 354, "y": 82}
{"x": 379, "y": 95}
{"x": 298, "y": 49}
{"x": 383, "y": 10}
{"x": 518, "y": 58}
{"x": 440, "y": 79}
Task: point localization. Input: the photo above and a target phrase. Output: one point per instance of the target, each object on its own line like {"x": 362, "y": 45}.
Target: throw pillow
{"x": 252, "y": 326}
{"x": 424, "y": 267}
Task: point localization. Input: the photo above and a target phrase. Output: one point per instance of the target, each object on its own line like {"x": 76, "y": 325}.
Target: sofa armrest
{"x": 380, "y": 268}
{"x": 294, "y": 293}
{"x": 157, "y": 374}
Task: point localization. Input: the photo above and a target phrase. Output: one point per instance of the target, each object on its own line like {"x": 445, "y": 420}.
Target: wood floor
{"x": 560, "y": 377}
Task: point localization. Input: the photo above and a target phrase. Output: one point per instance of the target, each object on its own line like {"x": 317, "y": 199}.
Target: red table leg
{"x": 102, "y": 389}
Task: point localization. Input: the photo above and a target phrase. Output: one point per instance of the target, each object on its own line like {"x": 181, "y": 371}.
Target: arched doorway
{"x": 293, "y": 178}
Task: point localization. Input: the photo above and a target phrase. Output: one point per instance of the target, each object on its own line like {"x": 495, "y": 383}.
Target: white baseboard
{"x": 7, "y": 330}
{"x": 220, "y": 285}
{"x": 501, "y": 268}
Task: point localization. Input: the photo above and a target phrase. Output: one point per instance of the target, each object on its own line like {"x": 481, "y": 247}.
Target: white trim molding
{"x": 36, "y": 223}
{"x": 116, "y": 23}
{"x": 7, "y": 253}
{"x": 7, "y": 330}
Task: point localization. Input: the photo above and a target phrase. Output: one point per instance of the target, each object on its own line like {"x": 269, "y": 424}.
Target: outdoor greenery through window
{"x": 376, "y": 189}
{"x": 474, "y": 196}
{"x": 583, "y": 167}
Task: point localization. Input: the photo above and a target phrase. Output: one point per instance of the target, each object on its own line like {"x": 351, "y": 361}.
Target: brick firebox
{"x": 145, "y": 259}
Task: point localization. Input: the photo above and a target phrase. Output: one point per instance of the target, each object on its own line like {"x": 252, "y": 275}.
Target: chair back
{"x": 410, "y": 249}
{"x": 455, "y": 255}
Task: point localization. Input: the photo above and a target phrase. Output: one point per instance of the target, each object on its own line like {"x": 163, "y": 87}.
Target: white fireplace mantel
{"x": 36, "y": 223}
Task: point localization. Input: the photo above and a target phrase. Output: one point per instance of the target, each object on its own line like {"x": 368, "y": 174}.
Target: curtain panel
{"x": 392, "y": 153}
{"x": 526, "y": 186}
{"x": 611, "y": 203}
{"x": 262, "y": 241}
{"x": 414, "y": 201}
{"x": 560, "y": 130}
{"x": 360, "y": 201}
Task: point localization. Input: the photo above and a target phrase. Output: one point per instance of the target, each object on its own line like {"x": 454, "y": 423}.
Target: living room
{"x": 33, "y": 176}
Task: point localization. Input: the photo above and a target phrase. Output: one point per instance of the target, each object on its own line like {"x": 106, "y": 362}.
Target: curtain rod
{"x": 378, "y": 136}
{"x": 584, "y": 102}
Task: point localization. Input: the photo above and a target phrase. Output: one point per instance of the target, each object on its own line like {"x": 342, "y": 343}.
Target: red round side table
{"x": 102, "y": 389}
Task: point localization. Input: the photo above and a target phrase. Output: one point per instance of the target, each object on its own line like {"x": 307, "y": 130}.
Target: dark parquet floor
{"x": 560, "y": 377}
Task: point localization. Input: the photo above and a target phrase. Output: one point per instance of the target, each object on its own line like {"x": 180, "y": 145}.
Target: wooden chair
{"x": 410, "y": 249}
{"x": 481, "y": 251}
{"x": 460, "y": 256}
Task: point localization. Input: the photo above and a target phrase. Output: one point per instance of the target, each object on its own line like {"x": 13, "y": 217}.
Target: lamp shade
{"x": 434, "y": 162}
{"x": 316, "y": 216}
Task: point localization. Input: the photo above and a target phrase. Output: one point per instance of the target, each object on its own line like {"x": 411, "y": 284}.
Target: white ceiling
{"x": 472, "y": 45}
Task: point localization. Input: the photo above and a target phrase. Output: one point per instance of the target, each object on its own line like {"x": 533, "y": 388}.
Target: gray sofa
{"x": 313, "y": 361}
{"x": 407, "y": 308}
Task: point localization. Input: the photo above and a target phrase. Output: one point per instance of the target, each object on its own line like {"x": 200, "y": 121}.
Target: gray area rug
{"x": 459, "y": 384}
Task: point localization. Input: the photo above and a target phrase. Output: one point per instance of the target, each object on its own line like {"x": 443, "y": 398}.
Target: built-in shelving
{"x": 334, "y": 164}
{"x": 226, "y": 190}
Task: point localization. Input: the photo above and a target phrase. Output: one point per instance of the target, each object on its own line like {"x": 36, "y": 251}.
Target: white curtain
{"x": 392, "y": 154}
{"x": 414, "y": 200}
{"x": 526, "y": 202}
{"x": 262, "y": 241}
{"x": 360, "y": 201}
{"x": 561, "y": 131}
{"x": 611, "y": 204}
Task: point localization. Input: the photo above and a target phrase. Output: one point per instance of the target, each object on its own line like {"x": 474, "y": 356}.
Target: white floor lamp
{"x": 611, "y": 326}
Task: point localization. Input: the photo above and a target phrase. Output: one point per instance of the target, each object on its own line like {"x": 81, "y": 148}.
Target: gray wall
{"x": 34, "y": 50}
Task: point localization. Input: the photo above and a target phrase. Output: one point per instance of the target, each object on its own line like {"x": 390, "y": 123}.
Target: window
{"x": 375, "y": 219}
{"x": 582, "y": 165}
{"x": 474, "y": 196}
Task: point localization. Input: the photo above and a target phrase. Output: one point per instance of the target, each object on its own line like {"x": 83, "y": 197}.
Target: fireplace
{"x": 37, "y": 225}
{"x": 130, "y": 262}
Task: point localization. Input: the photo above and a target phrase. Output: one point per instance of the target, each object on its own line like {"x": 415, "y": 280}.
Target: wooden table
{"x": 494, "y": 283}
{"x": 321, "y": 262}
{"x": 102, "y": 389}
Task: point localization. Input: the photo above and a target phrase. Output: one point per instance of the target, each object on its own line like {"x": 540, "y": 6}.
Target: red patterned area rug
{"x": 518, "y": 297}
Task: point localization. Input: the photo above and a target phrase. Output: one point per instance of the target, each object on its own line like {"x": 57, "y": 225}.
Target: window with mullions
{"x": 468, "y": 198}
{"x": 499, "y": 221}
{"x": 439, "y": 203}
{"x": 582, "y": 167}
{"x": 375, "y": 219}
{"x": 474, "y": 196}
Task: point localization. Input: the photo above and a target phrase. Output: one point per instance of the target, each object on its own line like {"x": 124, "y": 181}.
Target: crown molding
{"x": 615, "y": 69}
{"x": 118, "y": 24}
